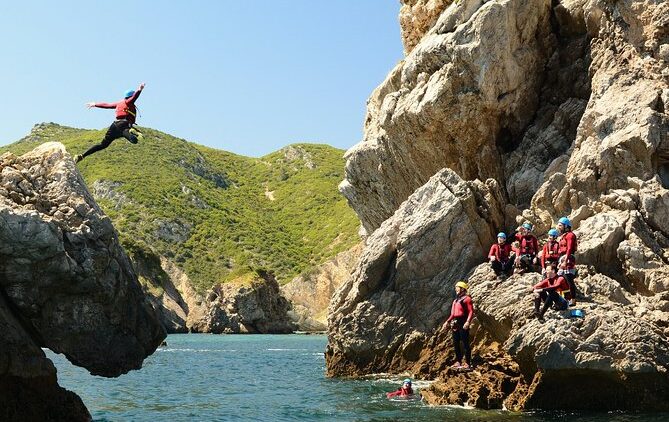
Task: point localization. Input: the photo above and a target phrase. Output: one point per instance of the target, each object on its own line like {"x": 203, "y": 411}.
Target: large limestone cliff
{"x": 560, "y": 107}
{"x": 310, "y": 293}
{"x": 65, "y": 284}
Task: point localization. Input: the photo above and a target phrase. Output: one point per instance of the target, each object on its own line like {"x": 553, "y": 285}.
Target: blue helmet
{"x": 553, "y": 232}
{"x": 407, "y": 381}
{"x": 129, "y": 93}
{"x": 565, "y": 221}
{"x": 527, "y": 226}
{"x": 502, "y": 235}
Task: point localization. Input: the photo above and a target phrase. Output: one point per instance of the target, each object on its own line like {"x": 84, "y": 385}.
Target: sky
{"x": 245, "y": 76}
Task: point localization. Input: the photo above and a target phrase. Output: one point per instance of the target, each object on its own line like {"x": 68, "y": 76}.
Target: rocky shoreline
{"x": 506, "y": 111}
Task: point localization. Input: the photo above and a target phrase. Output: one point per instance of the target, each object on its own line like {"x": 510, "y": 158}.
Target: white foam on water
{"x": 194, "y": 350}
{"x": 288, "y": 350}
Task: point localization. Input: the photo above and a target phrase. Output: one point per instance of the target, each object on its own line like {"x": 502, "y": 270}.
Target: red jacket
{"x": 558, "y": 283}
{"x": 528, "y": 244}
{"x": 500, "y": 253}
{"x": 401, "y": 392}
{"x": 568, "y": 248}
{"x": 125, "y": 109}
{"x": 551, "y": 252}
{"x": 462, "y": 307}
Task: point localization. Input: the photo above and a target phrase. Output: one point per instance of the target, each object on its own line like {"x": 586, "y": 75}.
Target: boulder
{"x": 66, "y": 283}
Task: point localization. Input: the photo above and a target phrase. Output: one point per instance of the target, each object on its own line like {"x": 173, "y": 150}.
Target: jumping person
{"x": 462, "y": 312}
{"x": 567, "y": 260}
{"x": 551, "y": 251}
{"x": 550, "y": 291}
{"x": 501, "y": 257}
{"x": 404, "y": 391}
{"x": 528, "y": 247}
{"x": 126, "y": 114}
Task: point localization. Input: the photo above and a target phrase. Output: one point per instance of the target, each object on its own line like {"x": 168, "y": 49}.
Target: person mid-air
{"x": 126, "y": 114}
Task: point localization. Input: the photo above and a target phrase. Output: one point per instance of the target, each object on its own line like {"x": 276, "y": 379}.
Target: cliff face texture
{"x": 249, "y": 306}
{"x": 534, "y": 110}
{"x": 65, "y": 284}
{"x": 310, "y": 294}
{"x": 253, "y": 307}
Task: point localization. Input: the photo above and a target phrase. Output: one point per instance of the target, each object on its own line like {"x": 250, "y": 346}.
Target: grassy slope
{"x": 207, "y": 209}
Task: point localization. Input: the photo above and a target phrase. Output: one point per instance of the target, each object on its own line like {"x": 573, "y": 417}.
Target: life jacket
{"x": 401, "y": 393}
{"x": 568, "y": 248}
{"x": 501, "y": 252}
{"x": 552, "y": 250}
{"x": 459, "y": 308}
{"x": 528, "y": 245}
{"x": 558, "y": 283}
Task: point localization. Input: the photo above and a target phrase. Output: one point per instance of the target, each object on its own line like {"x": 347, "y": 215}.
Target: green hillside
{"x": 218, "y": 215}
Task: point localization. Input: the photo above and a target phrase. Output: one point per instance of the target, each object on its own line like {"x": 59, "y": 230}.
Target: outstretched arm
{"x": 134, "y": 97}
{"x": 101, "y": 105}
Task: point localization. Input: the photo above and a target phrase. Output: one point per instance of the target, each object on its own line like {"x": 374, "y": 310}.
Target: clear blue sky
{"x": 247, "y": 76}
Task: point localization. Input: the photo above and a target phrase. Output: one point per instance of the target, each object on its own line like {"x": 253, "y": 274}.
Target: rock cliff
{"x": 251, "y": 306}
{"x": 559, "y": 107}
{"x": 310, "y": 294}
{"x": 65, "y": 284}
{"x": 238, "y": 307}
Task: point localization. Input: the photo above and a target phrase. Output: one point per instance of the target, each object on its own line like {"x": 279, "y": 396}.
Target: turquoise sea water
{"x": 200, "y": 377}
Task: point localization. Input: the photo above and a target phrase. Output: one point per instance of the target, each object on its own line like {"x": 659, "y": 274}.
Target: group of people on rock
{"x": 522, "y": 254}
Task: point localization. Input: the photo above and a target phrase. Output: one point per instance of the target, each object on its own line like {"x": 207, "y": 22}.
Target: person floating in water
{"x": 404, "y": 391}
{"x": 126, "y": 114}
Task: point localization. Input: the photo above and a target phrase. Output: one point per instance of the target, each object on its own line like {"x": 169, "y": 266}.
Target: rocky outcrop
{"x": 242, "y": 306}
{"x": 399, "y": 293}
{"x": 612, "y": 352}
{"x": 472, "y": 83}
{"x": 251, "y": 306}
{"x": 310, "y": 293}
{"x": 65, "y": 284}
{"x": 585, "y": 135}
{"x": 417, "y": 17}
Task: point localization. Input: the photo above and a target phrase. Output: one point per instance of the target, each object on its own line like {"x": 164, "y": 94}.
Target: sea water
{"x": 200, "y": 377}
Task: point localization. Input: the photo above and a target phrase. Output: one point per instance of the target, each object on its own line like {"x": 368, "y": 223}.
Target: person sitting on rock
{"x": 528, "y": 248}
{"x": 126, "y": 113}
{"x": 551, "y": 251}
{"x": 462, "y": 312}
{"x": 404, "y": 391}
{"x": 550, "y": 291}
{"x": 501, "y": 256}
{"x": 567, "y": 260}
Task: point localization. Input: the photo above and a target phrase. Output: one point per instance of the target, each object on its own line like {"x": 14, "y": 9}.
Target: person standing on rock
{"x": 501, "y": 256}
{"x": 462, "y": 312}
{"x": 528, "y": 248}
{"x": 551, "y": 251}
{"x": 567, "y": 260}
{"x": 126, "y": 114}
{"x": 549, "y": 291}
